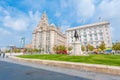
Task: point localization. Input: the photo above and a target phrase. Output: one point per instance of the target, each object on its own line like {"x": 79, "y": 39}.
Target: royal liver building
{"x": 46, "y": 36}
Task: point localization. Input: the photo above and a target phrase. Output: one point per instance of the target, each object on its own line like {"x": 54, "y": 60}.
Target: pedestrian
{"x": 3, "y": 55}
{"x": 0, "y": 53}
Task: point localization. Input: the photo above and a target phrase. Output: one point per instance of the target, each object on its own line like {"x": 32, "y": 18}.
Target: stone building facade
{"x": 46, "y": 36}
{"x": 92, "y": 34}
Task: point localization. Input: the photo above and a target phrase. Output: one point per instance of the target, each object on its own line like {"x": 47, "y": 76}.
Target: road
{"x": 16, "y": 70}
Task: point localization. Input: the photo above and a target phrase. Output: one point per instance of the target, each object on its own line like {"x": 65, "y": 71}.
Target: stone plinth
{"x": 77, "y": 48}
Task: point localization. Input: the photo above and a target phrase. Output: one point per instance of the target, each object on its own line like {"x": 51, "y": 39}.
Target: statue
{"x": 76, "y": 35}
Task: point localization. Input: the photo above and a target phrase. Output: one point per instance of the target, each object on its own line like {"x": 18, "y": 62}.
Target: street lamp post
{"x": 11, "y": 49}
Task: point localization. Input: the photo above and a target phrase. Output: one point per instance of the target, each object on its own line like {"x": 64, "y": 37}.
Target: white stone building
{"x": 92, "y": 34}
{"x": 45, "y": 36}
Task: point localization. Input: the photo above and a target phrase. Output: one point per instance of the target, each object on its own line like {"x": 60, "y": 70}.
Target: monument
{"x": 76, "y": 45}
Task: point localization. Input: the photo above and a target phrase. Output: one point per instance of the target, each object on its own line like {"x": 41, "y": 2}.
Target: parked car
{"x": 62, "y": 52}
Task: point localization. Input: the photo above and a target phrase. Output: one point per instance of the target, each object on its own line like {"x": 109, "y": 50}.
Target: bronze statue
{"x": 76, "y": 35}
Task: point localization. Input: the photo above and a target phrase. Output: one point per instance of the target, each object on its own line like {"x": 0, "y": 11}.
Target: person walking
{"x": 3, "y": 55}
{"x": 0, "y": 53}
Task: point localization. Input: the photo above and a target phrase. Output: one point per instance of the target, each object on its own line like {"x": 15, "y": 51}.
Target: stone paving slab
{"x": 114, "y": 70}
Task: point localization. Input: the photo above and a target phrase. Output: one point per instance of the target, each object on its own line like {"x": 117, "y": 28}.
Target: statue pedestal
{"x": 77, "y": 48}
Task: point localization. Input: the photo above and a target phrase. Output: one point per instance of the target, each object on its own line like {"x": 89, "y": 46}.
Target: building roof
{"x": 43, "y": 20}
{"x": 89, "y": 25}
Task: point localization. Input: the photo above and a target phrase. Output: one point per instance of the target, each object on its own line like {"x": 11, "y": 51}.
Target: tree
{"x": 116, "y": 46}
{"x": 7, "y": 51}
{"x": 60, "y": 49}
{"x": 35, "y": 50}
{"x": 90, "y": 47}
{"x": 17, "y": 50}
{"x": 83, "y": 48}
{"x": 69, "y": 48}
{"x": 99, "y": 49}
{"x": 102, "y": 46}
{"x": 55, "y": 48}
{"x": 29, "y": 50}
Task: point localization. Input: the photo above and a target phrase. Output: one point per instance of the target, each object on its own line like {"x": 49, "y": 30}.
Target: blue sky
{"x": 18, "y": 18}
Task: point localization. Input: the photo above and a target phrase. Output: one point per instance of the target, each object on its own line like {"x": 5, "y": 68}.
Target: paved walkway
{"x": 15, "y": 70}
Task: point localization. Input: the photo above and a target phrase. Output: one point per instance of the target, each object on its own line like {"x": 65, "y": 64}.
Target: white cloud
{"x": 6, "y": 12}
{"x": 19, "y": 21}
{"x": 67, "y": 13}
{"x": 63, "y": 4}
{"x": 85, "y": 8}
{"x": 14, "y": 19}
{"x": 110, "y": 9}
{"x": 34, "y": 16}
{"x": 4, "y": 32}
{"x": 63, "y": 28}
{"x": 57, "y": 14}
{"x": 64, "y": 25}
{"x": 18, "y": 24}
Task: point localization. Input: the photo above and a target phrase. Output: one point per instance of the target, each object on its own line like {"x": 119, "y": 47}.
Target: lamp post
{"x": 11, "y": 49}
{"x": 87, "y": 48}
{"x": 39, "y": 49}
{"x": 86, "y": 44}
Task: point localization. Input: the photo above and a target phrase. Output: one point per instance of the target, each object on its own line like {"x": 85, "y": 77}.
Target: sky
{"x": 18, "y": 18}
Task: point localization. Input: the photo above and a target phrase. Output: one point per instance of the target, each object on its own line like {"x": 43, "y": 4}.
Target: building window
{"x": 101, "y": 38}
{"x": 100, "y": 30}
{"x": 101, "y": 34}
{"x": 90, "y": 35}
{"x": 95, "y": 31}
{"x": 91, "y": 42}
{"x": 90, "y": 32}
{"x": 95, "y": 34}
{"x": 72, "y": 40}
{"x": 85, "y": 43}
{"x": 91, "y": 39}
{"x": 84, "y": 32}
{"x": 85, "y": 36}
{"x": 96, "y": 38}
{"x": 85, "y": 40}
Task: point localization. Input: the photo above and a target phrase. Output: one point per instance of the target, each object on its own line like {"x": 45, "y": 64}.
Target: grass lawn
{"x": 112, "y": 60}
